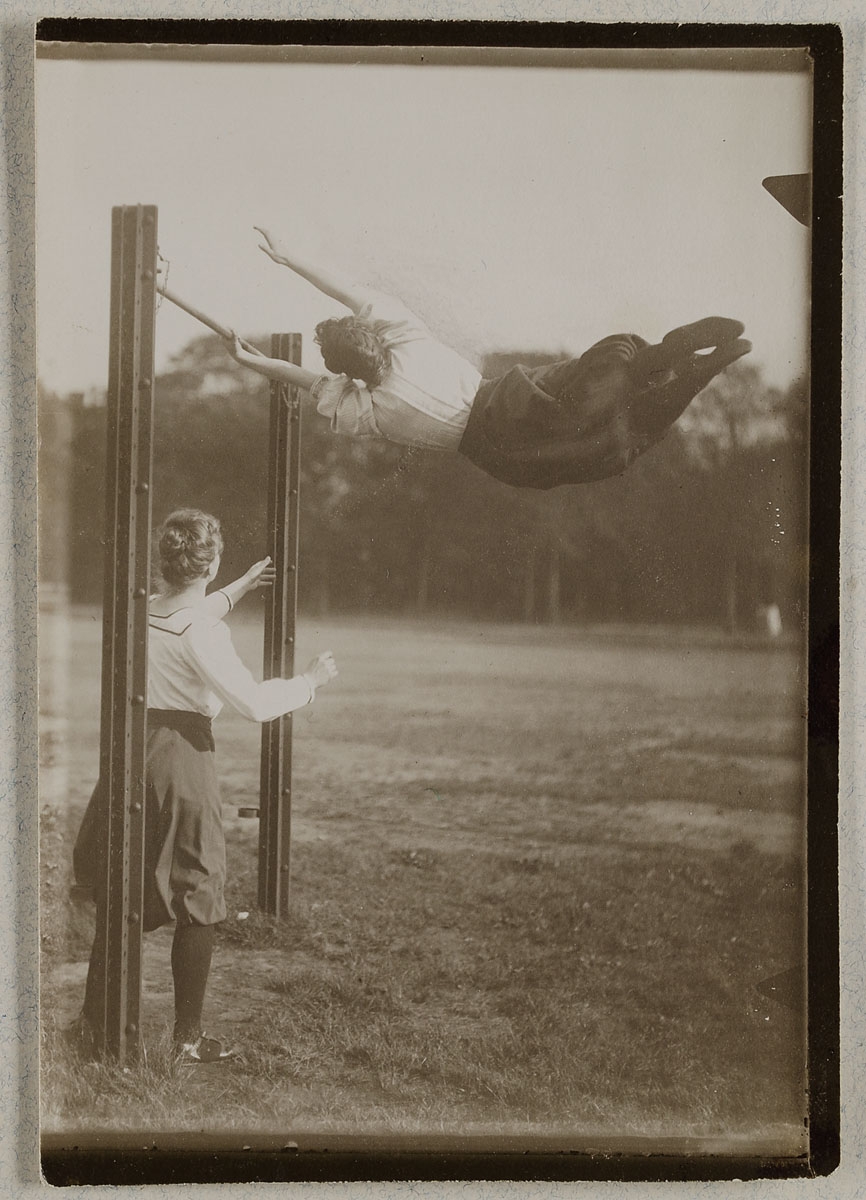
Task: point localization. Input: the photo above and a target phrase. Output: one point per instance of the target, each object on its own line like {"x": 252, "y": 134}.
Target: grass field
{"x": 540, "y": 878}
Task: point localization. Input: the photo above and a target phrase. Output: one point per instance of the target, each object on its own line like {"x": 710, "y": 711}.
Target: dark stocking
{"x": 191, "y": 953}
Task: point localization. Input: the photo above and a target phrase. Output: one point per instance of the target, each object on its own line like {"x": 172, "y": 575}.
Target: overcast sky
{"x": 513, "y": 207}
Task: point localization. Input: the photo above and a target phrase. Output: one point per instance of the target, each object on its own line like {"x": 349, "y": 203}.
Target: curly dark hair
{"x": 188, "y": 542}
{"x": 351, "y": 346}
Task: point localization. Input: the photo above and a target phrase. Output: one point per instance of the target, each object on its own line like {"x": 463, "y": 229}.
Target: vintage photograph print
{"x": 438, "y": 490}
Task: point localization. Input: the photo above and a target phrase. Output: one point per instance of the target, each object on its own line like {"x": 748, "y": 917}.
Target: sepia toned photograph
{"x": 425, "y": 438}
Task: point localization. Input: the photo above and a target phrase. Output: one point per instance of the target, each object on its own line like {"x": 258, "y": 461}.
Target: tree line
{"x": 709, "y": 527}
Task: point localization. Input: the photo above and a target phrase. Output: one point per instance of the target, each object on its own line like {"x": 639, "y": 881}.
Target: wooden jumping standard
{"x": 279, "y": 657}
{"x": 124, "y": 621}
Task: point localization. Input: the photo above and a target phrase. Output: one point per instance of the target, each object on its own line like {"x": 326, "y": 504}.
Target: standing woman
{"x": 193, "y": 670}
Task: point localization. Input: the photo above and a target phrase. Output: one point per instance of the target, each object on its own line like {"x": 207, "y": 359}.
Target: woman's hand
{"x": 321, "y": 670}
{"x": 273, "y": 247}
{"x": 260, "y": 575}
{"x": 240, "y": 350}
{"x": 235, "y": 346}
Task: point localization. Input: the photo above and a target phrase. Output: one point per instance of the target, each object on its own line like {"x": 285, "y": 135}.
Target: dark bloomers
{"x": 590, "y": 418}
{"x": 351, "y": 346}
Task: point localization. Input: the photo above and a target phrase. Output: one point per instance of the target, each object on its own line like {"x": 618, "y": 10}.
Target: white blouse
{"x": 425, "y": 398}
{"x": 193, "y": 666}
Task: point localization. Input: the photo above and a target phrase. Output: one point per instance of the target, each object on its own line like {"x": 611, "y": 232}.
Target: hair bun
{"x": 189, "y": 541}
{"x": 174, "y": 538}
{"x": 353, "y": 347}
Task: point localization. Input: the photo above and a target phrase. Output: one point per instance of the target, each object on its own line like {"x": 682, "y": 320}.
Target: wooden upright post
{"x": 124, "y": 620}
{"x": 280, "y": 613}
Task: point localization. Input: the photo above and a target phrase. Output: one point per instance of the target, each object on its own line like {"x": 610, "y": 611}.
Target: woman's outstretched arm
{"x": 339, "y": 287}
{"x": 271, "y": 368}
{"x": 261, "y": 574}
{"x": 210, "y": 652}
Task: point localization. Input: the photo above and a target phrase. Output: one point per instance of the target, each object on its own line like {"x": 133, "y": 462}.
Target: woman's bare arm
{"x": 339, "y": 287}
{"x": 271, "y": 368}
